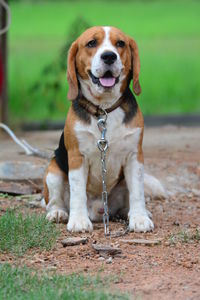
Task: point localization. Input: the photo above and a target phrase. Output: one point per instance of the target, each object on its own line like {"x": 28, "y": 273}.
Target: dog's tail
{"x": 153, "y": 187}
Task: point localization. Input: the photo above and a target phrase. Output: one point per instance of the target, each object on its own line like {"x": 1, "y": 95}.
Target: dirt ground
{"x": 169, "y": 270}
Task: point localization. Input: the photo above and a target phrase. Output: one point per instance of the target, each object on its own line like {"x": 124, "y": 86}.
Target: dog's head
{"x": 102, "y": 61}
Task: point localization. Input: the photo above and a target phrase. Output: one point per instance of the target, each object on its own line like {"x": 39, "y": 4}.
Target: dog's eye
{"x": 120, "y": 44}
{"x": 91, "y": 44}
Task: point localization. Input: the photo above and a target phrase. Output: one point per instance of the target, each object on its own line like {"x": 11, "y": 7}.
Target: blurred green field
{"x": 168, "y": 36}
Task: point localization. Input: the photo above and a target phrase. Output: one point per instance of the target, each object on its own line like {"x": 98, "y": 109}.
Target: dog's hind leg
{"x": 56, "y": 193}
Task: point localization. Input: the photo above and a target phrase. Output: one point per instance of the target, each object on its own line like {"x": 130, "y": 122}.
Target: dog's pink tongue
{"x": 107, "y": 82}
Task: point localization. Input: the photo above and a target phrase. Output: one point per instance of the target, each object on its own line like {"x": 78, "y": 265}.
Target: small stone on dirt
{"x": 73, "y": 241}
{"x": 196, "y": 192}
{"x": 109, "y": 260}
{"x": 187, "y": 264}
{"x": 106, "y": 249}
{"x": 101, "y": 258}
{"x": 176, "y": 223}
{"x": 119, "y": 233}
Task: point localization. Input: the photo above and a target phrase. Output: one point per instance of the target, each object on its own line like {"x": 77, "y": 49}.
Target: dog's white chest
{"x": 122, "y": 140}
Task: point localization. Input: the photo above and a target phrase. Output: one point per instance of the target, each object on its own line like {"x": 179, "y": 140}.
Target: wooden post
{"x": 3, "y": 49}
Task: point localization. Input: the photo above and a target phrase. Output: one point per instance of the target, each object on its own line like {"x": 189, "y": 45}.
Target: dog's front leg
{"x": 78, "y": 218}
{"x": 139, "y": 220}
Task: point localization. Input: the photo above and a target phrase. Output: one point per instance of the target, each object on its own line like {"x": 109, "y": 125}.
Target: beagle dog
{"x": 101, "y": 64}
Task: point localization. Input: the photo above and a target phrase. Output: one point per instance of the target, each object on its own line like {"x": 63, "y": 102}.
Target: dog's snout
{"x": 109, "y": 57}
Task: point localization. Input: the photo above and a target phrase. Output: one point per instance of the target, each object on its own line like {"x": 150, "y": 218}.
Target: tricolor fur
{"x": 101, "y": 64}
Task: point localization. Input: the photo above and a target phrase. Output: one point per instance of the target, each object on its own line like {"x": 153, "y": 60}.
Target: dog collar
{"x": 96, "y": 110}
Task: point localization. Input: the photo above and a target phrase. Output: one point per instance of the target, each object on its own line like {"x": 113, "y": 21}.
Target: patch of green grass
{"x": 23, "y": 284}
{"x": 167, "y": 33}
{"x": 185, "y": 237}
{"x": 6, "y": 196}
{"x": 20, "y": 233}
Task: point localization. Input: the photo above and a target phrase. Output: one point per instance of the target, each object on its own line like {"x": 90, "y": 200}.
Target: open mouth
{"x": 107, "y": 81}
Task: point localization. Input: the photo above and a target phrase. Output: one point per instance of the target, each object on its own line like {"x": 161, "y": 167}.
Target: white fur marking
{"x": 98, "y": 67}
{"x": 138, "y": 215}
{"x": 78, "y": 218}
{"x": 56, "y": 207}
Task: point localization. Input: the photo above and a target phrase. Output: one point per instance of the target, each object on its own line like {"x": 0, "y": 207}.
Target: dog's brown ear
{"x": 71, "y": 72}
{"x": 135, "y": 66}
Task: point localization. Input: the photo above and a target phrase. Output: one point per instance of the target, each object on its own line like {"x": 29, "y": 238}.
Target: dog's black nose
{"x": 109, "y": 57}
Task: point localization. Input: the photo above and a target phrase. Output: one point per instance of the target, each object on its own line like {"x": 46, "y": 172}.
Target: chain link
{"x": 103, "y": 146}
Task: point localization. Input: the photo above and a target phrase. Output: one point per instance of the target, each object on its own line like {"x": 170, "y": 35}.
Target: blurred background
{"x": 167, "y": 33}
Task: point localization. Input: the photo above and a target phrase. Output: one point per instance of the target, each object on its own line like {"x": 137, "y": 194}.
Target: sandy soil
{"x": 170, "y": 270}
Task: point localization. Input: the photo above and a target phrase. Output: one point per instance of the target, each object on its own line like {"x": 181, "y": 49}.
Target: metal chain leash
{"x": 103, "y": 146}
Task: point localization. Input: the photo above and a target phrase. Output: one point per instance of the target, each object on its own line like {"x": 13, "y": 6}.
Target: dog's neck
{"x": 84, "y": 108}
{"x": 96, "y": 110}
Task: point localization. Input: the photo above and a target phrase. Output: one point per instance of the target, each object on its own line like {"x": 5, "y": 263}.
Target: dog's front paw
{"x": 140, "y": 222}
{"x": 79, "y": 223}
{"x": 57, "y": 215}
